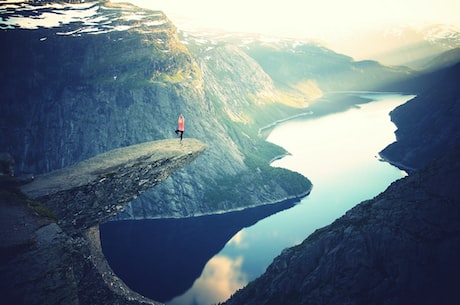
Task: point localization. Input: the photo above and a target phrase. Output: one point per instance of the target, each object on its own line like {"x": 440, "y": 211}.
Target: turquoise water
{"x": 339, "y": 154}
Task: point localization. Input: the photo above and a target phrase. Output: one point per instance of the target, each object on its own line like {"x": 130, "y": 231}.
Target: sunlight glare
{"x": 347, "y": 27}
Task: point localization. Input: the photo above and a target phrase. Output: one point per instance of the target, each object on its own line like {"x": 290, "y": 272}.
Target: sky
{"x": 302, "y": 17}
{"x": 332, "y": 22}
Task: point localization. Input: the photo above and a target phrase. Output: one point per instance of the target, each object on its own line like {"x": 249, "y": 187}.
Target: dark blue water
{"x": 161, "y": 258}
{"x": 203, "y": 260}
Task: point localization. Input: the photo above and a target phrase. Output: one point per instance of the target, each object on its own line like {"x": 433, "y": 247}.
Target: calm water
{"x": 204, "y": 260}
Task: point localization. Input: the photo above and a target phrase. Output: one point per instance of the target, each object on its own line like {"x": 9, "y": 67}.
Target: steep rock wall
{"x": 428, "y": 125}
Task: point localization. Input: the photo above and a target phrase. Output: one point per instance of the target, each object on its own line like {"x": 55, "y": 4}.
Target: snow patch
{"x": 93, "y": 18}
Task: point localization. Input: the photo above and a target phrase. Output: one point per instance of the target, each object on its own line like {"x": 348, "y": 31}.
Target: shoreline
{"x": 294, "y": 199}
{"x": 399, "y": 165}
{"x": 277, "y": 122}
{"x": 366, "y": 95}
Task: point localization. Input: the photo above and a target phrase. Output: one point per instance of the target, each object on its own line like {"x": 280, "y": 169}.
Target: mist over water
{"x": 338, "y": 153}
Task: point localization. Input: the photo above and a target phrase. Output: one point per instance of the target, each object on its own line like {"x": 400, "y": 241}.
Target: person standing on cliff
{"x": 180, "y": 126}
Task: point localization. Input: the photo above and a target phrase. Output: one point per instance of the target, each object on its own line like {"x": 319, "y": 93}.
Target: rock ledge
{"x": 94, "y": 190}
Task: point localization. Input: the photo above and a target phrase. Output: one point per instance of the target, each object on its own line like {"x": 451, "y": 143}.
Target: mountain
{"x": 110, "y": 76}
{"x": 445, "y": 60}
{"x": 293, "y": 65}
{"x": 302, "y": 71}
{"x": 409, "y": 45}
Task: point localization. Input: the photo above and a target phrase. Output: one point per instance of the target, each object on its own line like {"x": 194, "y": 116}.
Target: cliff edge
{"x": 50, "y": 250}
{"x": 96, "y": 189}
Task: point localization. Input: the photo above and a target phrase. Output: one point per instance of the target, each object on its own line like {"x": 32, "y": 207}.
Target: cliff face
{"x": 66, "y": 87}
{"x": 427, "y": 126}
{"x": 50, "y": 250}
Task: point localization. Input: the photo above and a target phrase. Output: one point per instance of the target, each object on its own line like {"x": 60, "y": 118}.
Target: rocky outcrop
{"x": 94, "y": 190}
{"x": 50, "y": 252}
{"x": 428, "y": 125}
{"x": 400, "y": 247}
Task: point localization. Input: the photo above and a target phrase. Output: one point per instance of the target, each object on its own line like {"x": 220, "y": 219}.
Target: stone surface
{"x": 94, "y": 190}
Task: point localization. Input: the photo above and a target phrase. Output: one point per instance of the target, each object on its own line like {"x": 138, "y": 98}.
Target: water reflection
{"x": 221, "y": 277}
{"x": 161, "y": 258}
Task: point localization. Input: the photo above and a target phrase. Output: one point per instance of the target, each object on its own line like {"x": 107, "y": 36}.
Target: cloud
{"x": 238, "y": 240}
{"x": 221, "y": 277}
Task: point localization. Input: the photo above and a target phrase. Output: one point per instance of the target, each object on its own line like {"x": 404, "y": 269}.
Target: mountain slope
{"x": 293, "y": 63}
{"x": 117, "y": 75}
{"x": 428, "y": 125}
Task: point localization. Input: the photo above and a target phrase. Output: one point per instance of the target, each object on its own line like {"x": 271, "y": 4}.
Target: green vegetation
{"x": 292, "y": 182}
{"x": 42, "y": 210}
{"x": 258, "y": 154}
{"x": 260, "y": 180}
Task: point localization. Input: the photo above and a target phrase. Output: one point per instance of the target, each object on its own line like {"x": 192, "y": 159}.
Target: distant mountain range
{"x": 409, "y": 45}
{"x": 396, "y": 45}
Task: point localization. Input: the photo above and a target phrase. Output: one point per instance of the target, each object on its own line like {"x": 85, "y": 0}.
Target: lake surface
{"x": 203, "y": 260}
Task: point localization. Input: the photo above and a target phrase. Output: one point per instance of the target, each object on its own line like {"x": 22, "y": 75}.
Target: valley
{"x": 81, "y": 79}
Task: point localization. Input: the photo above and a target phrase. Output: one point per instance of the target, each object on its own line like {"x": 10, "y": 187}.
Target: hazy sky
{"x": 332, "y": 21}
{"x": 303, "y": 17}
